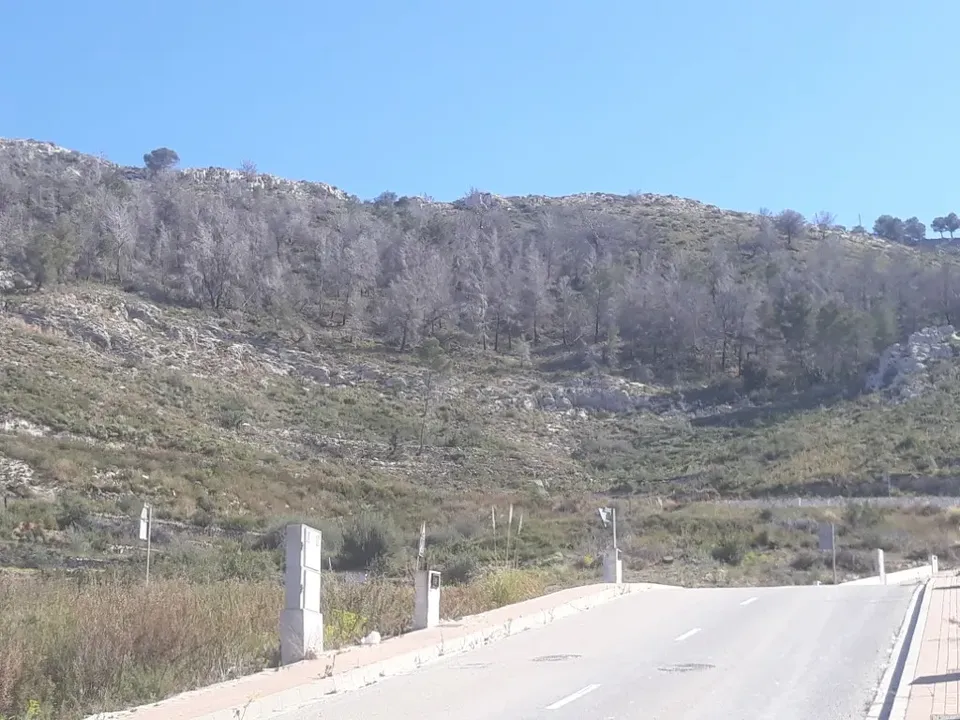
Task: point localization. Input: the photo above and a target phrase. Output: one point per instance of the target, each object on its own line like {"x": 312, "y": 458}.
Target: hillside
{"x": 242, "y": 350}
{"x": 239, "y": 348}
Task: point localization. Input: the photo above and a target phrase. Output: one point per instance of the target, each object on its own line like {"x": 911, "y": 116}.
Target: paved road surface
{"x": 750, "y": 654}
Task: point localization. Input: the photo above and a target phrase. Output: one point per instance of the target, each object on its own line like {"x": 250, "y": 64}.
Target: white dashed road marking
{"x": 687, "y": 634}
{"x": 748, "y": 601}
{"x": 570, "y": 698}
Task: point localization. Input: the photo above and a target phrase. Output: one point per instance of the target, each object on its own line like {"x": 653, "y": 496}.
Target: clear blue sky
{"x": 845, "y": 105}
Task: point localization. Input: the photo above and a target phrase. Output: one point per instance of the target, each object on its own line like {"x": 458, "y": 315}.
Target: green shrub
{"x": 858, "y": 561}
{"x": 461, "y": 569}
{"x": 730, "y": 551}
{"x": 805, "y": 560}
{"x": 860, "y": 515}
{"x": 249, "y": 566}
{"x": 72, "y": 513}
{"x": 368, "y": 541}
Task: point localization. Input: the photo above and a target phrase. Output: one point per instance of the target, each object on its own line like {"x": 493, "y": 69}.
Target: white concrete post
{"x": 301, "y": 622}
{"x": 426, "y": 600}
{"x": 934, "y": 564}
{"x": 881, "y": 568}
{"x": 612, "y": 567}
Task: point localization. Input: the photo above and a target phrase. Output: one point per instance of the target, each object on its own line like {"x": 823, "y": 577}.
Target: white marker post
{"x": 426, "y": 601}
{"x": 612, "y": 562}
{"x": 301, "y": 622}
{"x": 613, "y": 513}
{"x": 881, "y": 567}
{"x": 934, "y": 565}
{"x": 828, "y": 541}
{"x": 146, "y": 532}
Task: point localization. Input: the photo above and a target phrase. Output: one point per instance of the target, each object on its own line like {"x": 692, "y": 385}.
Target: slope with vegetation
{"x": 242, "y": 350}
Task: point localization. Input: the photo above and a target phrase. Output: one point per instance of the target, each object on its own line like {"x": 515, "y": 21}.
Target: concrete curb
{"x": 914, "y": 574}
{"x": 260, "y": 708}
{"x": 886, "y": 692}
{"x": 898, "y": 709}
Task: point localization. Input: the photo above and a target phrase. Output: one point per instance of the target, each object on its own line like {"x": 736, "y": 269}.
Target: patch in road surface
{"x": 686, "y": 667}
{"x": 555, "y": 658}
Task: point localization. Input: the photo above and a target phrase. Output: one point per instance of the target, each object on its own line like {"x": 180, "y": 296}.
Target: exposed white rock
{"x": 19, "y": 426}
{"x": 14, "y": 473}
{"x": 902, "y": 368}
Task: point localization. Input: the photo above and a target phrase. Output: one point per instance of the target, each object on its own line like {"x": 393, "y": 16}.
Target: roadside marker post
{"x": 146, "y": 532}
{"x": 612, "y": 561}
{"x": 828, "y": 541}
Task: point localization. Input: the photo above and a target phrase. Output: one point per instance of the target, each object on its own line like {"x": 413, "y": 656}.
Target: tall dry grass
{"x": 74, "y": 648}
{"x": 82, "y": 647}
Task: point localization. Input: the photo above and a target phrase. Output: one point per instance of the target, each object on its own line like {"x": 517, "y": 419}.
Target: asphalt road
{"x": 752, "y": 654}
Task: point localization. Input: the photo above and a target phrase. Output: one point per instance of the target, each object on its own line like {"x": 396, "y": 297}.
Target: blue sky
{"x": 844, "y": 105}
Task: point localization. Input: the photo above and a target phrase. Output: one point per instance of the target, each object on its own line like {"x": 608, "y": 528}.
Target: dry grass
{"x": 101, "y": 641}
{"x": 82, "y": 647}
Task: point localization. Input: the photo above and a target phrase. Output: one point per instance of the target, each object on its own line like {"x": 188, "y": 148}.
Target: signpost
{"x": 608, "y": 516}
{"x": 422, "y": 544}
{"x": 612, "y": 564}
{"x": 146, "y": 530}
{"x": 828, "y": 541}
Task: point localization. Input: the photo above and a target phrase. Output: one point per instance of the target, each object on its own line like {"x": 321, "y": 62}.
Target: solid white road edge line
{"x": 884, "y": 689}
{"x": 749, "y": 600}
{"x": 570, "y": 698}
{"x": 687, "y": 634}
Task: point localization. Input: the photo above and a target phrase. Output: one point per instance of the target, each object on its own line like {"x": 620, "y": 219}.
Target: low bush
{"x": 368, "y": 541}
{"x": 730, "y": 551}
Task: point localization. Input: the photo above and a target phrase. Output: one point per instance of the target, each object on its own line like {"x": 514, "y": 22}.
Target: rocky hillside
{"x": 239, "y": 348}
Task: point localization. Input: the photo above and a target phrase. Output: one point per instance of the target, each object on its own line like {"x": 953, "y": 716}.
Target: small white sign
{"x": 144, "y": 521}
{"x": 605, "y": 515}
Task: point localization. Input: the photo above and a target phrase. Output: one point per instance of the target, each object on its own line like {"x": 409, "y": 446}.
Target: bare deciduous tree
{"x": 790, "y": 224}
{"x": 602, "y": 276}
{"x": 824, "y": 222}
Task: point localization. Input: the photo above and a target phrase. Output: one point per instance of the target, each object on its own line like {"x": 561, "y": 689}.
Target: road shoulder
{"x": 271, "y": 691}
{"x": 933, "y": 686}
